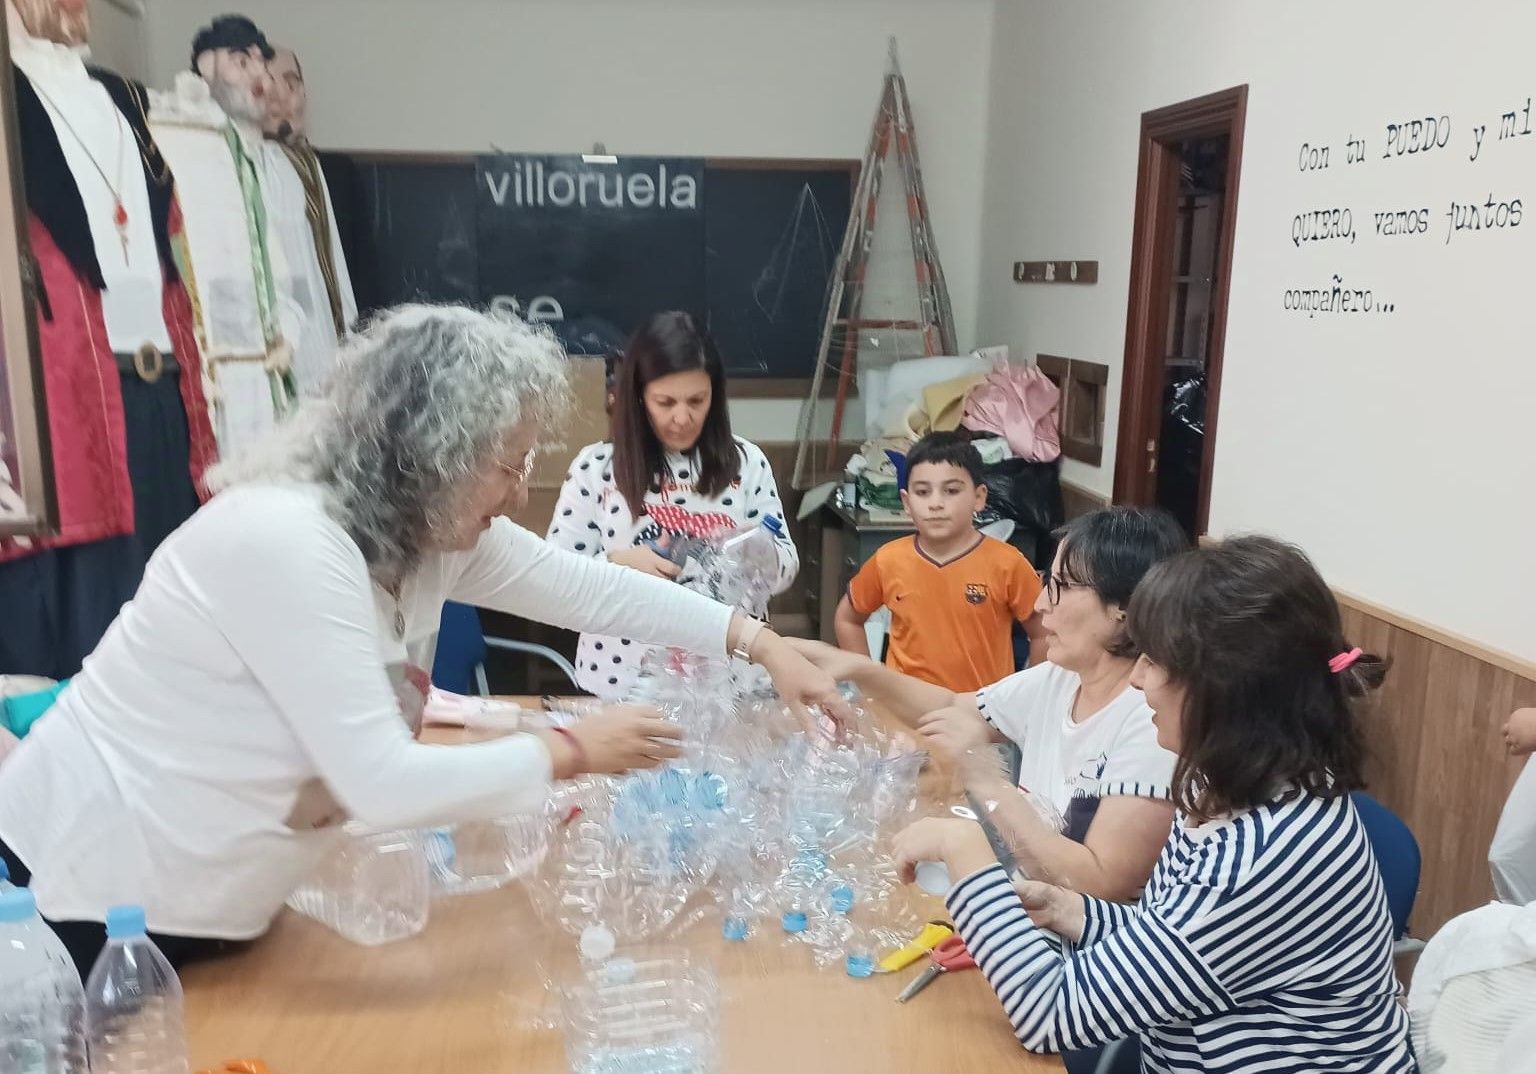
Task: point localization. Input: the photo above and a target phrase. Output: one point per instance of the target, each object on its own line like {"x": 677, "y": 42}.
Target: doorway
{"x": 1181, "y": 260}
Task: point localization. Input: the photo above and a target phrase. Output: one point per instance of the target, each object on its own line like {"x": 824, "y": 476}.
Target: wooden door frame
{"x": 1157, "y": 182}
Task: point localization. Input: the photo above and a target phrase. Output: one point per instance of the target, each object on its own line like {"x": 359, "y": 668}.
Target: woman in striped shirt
{"x": 1263, "y": 941}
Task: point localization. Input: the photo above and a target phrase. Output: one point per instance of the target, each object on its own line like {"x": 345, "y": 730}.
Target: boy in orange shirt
{"x": 953, "y": 593}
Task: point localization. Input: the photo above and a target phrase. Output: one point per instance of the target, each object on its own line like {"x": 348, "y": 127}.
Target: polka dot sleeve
{"x": 575, "y": 525}
{"x": 761, "y": 493}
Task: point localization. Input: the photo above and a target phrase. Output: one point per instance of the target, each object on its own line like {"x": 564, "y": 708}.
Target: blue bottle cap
{"x": 734, "y": 928}
{"x": 842, "y": 898}
{"x": 125, "y": 923}
{"x": 794, "y": 921}
{"x": 860, "y": 966}
{"x": 774, "y": 526}
{"x": 17, "y": 905}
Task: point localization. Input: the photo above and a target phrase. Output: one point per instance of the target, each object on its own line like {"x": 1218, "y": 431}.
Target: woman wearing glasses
{"x": 672, "y": 472}
{"x": 265, "y": 682}
{"x": 1085, "y": 733}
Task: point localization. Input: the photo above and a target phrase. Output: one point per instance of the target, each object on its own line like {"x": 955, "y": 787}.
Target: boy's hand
{"x": 954, "y": 732}
{"x": 1520, "y": 732}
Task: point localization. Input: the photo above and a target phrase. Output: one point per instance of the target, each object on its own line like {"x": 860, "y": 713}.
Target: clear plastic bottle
{"x": 133, "y": 1005}
{"x": 485, "y": 855}
{"x": 831, "y": 930}
{"x": 643, "y": 1016}
{"x": 797, "y": 889}
{"x": 743, "y": 567}
{"x": 41, "y": 1002}
{"x": 377, "y": 889}
{"x": 862, "y": 951}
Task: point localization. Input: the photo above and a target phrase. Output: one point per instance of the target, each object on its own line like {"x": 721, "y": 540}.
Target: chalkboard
{"x": 753, "y": 257}
{"x": 407, "y": 227}
{"x": 567, "y": 241}
{"x": 771, "y": 239}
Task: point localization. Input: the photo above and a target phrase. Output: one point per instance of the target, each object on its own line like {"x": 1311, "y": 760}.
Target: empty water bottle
{"x": 485, "y": 855}
{"x": 743, "y": 566}
{"x": 862, "y": 951}
{"x": 41, "y": 1002}
{"x": 133, "y": 1003}
{"x": 375, "y": 890}
{"x": 643, "y": 1016}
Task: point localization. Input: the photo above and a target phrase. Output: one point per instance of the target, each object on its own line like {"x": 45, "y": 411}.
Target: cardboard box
{"x": 587, "y": 424}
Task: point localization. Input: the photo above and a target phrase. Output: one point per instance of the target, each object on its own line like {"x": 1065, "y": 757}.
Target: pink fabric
{"x": 1019, "y": 403}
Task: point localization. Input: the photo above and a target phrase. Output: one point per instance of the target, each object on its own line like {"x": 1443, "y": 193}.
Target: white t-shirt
{"x": 251, "y": 695}
{"x": 1075, "y": 764}
{"x": 592, "y": 518}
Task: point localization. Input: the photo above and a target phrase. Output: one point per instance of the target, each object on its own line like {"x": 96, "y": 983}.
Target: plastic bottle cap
{"x": 125, "y": 923}
{"x": 17, "y": 905}
{"x": 773, "y": 525}
{"x": 596, "y": 943}
{"x": 842, "y": 898}
{"x": 794, "y": 921}
{"x": 933, "y": 877}
{"x": 860, "y": 966}
{"x": 734, "y": 928}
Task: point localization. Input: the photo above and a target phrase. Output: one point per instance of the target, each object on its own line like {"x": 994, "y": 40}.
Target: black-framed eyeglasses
{"x": 1055, "y": 586}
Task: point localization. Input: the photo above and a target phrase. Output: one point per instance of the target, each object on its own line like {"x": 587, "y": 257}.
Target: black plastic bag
{"x": 1029, "y": 493}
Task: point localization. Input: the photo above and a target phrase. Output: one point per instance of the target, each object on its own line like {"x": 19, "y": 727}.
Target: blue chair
{"x": 459, "y": 664}
{"x": 1397, "y": 856}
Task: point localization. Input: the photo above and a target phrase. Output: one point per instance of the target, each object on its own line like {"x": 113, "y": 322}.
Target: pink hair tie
{"x": 1344, "y": 661}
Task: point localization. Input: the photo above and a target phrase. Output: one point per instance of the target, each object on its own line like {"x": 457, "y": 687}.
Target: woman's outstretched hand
{"x": 613, "y": 740}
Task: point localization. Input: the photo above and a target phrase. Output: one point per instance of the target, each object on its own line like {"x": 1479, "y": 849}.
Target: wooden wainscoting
{"x": 1076, "y": 500}
{"x": 1438, "y": 757}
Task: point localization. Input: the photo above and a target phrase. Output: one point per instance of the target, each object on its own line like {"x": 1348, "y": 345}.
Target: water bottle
{"x": 863, "y": 952}
{"x": 377, "y": 889}
{"x": 744, "y": 567}
{"x": 643, "y": 1016}
{"x": 798, "y": 886}
{"x": 486, "y": 855}
{"x": 41, "y": 1002}
{"x": 133, "y": 1003}
{"x": 831, "y": 930}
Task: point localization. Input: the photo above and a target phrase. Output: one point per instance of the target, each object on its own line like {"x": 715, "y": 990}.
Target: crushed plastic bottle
{"x": 485, "y": 855}
{"x": 643, "y": 1016}
{"x": 741, "y": 568}
{"x": 375, "y": 890}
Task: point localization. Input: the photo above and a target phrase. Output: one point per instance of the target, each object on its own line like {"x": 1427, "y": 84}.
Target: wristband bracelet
{"x": 580, "y": 760}
{"x": 750, "y": 629}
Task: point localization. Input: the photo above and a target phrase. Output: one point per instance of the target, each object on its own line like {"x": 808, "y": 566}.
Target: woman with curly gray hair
{"x": 250, "y": 697}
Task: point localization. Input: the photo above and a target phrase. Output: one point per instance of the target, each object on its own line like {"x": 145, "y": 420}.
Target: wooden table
{"x": 457, "y": 1000}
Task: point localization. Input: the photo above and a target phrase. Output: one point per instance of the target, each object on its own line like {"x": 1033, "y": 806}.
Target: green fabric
{"x": 19, "y": 713}
{"x": 261, "y": 261}
{"x": 883, "y": 494}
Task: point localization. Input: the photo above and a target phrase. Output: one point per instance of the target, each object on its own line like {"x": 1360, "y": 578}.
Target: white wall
{"x": 1397, "y": 448}
{"x": 118, "y": 40}
{"x": 787, "y": 78}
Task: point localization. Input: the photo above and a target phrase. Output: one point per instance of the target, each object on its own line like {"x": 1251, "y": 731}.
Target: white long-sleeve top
{"x": 243, "y": 702}
{"x": 592, "y": 518}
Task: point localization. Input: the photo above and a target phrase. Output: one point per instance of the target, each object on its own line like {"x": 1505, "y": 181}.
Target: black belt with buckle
{"x": 149, "y": 363}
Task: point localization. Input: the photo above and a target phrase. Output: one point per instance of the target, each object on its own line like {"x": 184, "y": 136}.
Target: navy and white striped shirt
{"x": 1262, "y": 943}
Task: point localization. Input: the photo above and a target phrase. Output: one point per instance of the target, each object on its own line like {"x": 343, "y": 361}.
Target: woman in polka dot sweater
{"x": 673, "y": 454}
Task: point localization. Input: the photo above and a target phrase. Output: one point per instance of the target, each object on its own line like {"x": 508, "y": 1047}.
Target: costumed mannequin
{"x": 209, "y": 127}
{"x": 300, "y": 204}
{"x": 130, "y": 433}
